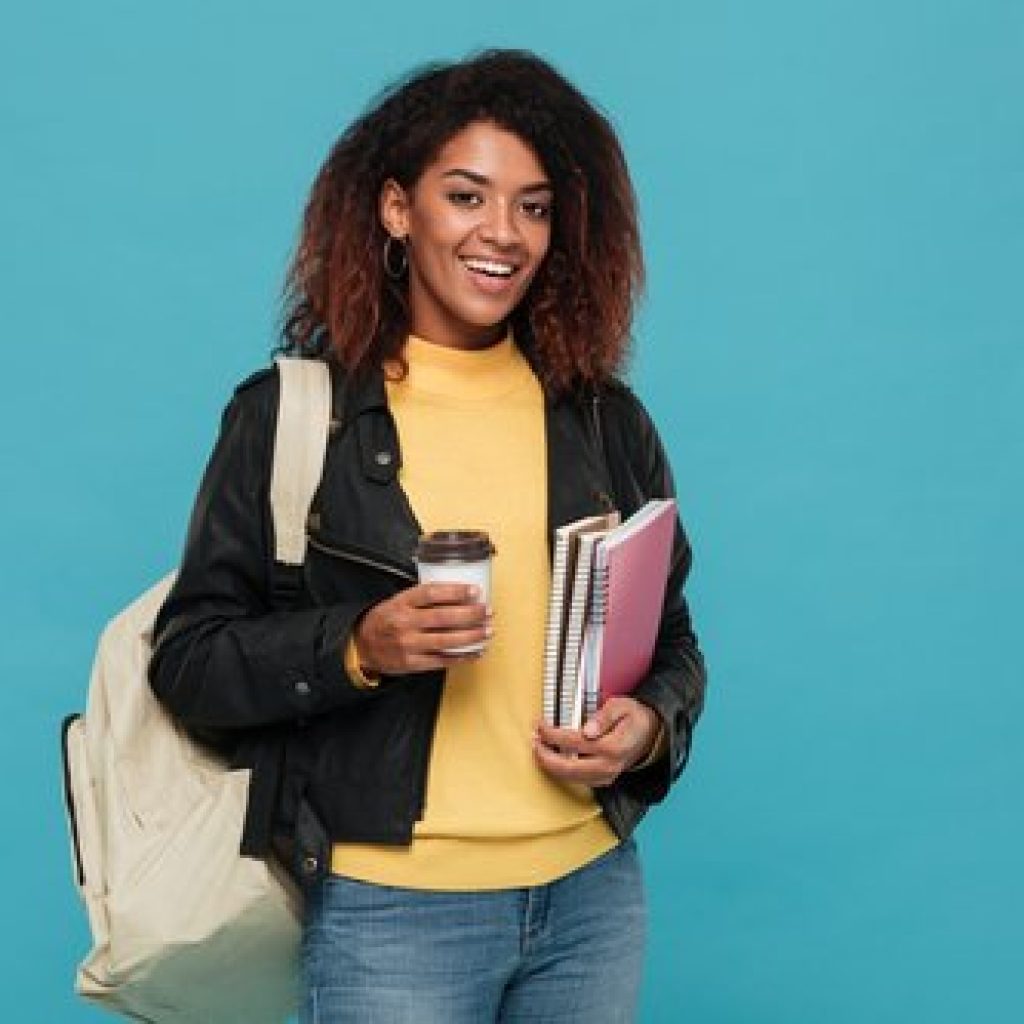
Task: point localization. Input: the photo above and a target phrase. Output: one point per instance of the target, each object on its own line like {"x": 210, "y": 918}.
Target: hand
{"x": 410, "y": 631}
{"x": 619, "y": 736}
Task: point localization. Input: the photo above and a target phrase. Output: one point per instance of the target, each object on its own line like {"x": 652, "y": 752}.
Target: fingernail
{"x": 474, "y": 592}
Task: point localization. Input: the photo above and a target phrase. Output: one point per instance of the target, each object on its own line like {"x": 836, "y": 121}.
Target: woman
{"x": 468, "y": 265}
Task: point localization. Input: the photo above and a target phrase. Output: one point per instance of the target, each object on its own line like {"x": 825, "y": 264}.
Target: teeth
{"x": 490, "y": 267}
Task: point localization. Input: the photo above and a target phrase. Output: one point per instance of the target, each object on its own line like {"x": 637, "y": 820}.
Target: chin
{"x": 490, "y": 314}
{"x": 480, "y": 321}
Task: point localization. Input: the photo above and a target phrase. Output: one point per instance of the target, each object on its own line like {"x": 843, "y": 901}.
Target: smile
{"x": 492, "y": 268}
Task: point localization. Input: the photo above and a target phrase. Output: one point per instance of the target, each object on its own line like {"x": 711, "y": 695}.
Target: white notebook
{"x": 563, "y": 575}
{"x": 570, "y": 695}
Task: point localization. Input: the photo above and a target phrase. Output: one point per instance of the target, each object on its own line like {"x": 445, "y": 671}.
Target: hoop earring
{"x": 396, "y": 273}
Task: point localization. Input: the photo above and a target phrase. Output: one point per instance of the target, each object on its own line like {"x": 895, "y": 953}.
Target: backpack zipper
{"x": 69, "y": 799}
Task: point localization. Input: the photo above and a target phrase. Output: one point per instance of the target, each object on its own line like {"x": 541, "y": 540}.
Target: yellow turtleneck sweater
{"x": 472, "y": 434}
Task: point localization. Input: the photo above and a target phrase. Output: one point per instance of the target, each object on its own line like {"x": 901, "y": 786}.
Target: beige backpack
{"x": 184, "y": 928}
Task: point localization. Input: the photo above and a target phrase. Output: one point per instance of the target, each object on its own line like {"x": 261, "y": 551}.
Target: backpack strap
{"x": 300, "y": 446}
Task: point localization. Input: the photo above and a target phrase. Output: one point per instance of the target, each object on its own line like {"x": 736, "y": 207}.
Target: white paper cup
{"x": 454, "y": 556}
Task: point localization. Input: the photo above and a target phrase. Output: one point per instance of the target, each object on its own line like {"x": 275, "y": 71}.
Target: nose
{"x": 498, "y": 224}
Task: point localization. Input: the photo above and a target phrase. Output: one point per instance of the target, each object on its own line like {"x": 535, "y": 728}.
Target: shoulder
{"x": 260, "y": 386}
{"x": 251, "y": 411}
{"x": 631, "y": 435}
{"x": 257, "y": 395}
{"x": 255, "y": 401}
{"x": 264, "y": 385}
{"x": 618, "y": 393}
{"x": 624, "y": 410}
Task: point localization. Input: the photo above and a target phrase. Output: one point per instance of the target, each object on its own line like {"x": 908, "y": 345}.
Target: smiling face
{"x": 477, "y": 225}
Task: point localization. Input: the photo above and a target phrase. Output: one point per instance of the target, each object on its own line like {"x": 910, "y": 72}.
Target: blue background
{"x": 833, "y": 206}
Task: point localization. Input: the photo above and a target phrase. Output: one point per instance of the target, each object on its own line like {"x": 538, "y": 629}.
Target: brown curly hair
{"x": 574, "y": 321}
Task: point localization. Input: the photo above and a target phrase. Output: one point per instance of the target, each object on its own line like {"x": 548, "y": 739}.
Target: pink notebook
{"x": 630, "y": 575}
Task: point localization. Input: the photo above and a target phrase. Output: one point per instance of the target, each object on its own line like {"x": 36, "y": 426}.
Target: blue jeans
{"x": 571, "y": 950}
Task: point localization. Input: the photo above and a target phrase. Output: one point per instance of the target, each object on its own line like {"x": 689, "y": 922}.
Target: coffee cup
{"x": 457, "y": 556}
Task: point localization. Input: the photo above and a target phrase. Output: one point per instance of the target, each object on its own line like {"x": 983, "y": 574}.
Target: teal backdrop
{"x": 833, "y": 208}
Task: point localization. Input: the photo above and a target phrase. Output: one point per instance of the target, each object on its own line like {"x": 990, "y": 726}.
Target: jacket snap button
{"x": 383, "y": 458}
{"x": 309, "y": 865}
{"x": 302, "y": 688}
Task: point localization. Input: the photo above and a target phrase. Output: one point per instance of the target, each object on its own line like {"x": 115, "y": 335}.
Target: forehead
{"x": 488, "y": 149}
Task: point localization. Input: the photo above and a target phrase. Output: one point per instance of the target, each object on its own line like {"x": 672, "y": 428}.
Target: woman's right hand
{"x": 411, "y": 631}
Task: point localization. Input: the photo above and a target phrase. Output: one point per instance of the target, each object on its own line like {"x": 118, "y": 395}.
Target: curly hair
{"x": 574, "y": 321}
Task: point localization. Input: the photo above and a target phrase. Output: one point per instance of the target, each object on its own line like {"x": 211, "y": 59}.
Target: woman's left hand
{"x": 619, "y": 736}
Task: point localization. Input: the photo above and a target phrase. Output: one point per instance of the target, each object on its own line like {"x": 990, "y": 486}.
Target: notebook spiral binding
{"x": 600, "y": 596}
{"x": 552, "y": 658}
{"x": 598, "y": 613}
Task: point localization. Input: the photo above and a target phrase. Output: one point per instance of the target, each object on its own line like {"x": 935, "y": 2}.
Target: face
{"x": 477, "y": 225}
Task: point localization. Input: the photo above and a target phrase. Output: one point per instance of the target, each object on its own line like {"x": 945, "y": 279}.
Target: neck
{"x": 467, "y": 339}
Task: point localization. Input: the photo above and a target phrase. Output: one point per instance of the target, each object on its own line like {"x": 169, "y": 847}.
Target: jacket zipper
{"x": 327, "y": 549}
{"x": 606, "y": 501}
{"x": 595, "y": 416}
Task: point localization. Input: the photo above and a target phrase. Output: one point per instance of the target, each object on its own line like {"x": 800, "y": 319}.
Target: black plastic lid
{"x": 454, "y": 546}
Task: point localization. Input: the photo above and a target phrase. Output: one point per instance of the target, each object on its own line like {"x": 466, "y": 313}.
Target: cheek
{"x": 540, "y": 245}
{"x": 440, "y": 224}
{"x": 542, "y": 240}
{"x": 432, "y": 249}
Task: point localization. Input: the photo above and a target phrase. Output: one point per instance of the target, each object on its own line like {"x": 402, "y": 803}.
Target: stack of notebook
{"x": 607, "y": 591}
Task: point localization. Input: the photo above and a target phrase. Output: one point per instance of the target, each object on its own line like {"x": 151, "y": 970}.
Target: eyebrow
{"x": 482, "y": 179}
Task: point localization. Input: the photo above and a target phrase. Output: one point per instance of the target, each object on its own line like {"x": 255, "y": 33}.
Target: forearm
{"x": 220, "y": 672}
{"x": 674, "y": 689}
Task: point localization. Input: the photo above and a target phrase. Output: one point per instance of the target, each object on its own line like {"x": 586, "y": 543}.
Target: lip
{"x": 484, "y": 258}
{"x": 487, "y": 284}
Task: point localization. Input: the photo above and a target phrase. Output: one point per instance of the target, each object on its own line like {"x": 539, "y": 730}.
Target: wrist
{"x": 657, "y": 748}
{"x": 362, "y": 674}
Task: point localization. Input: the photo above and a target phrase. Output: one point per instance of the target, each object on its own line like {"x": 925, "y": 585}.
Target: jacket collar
{"x": 578, "y": 481}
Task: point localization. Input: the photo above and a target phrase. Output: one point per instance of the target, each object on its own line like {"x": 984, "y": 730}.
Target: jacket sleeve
{"x": 675, "y": 685}
{"x": 223, "y": 657}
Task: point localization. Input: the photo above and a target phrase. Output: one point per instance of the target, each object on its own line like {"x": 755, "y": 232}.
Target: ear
{"x": 394, "y": 209}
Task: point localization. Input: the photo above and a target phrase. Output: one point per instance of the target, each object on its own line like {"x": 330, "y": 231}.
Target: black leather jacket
{"x": 249, "y": 654}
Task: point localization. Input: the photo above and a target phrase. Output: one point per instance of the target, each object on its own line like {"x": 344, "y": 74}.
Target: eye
{"x": 537, "y": 209}
{"x": 465, "y": 198}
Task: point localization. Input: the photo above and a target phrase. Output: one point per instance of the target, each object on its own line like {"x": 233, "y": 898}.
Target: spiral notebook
{"x": 569, "y": 705}
{"x": 560, "y": 606}
{"x": 627, "y": 592}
